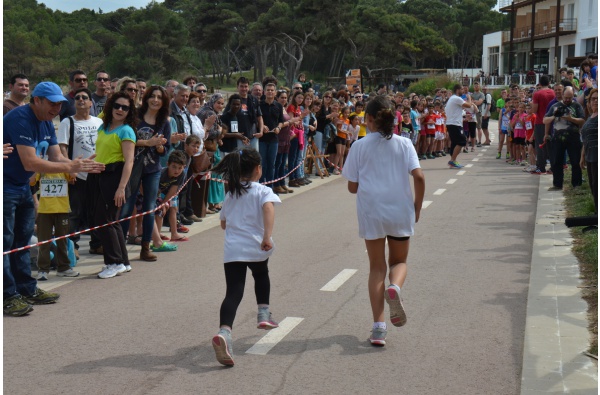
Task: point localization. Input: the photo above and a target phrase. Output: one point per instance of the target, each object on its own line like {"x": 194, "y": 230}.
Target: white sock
{"x": 379, "y": 325}
{"x": 395, "y": 286}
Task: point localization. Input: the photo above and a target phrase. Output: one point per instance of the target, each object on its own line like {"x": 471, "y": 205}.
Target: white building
{"x": 546, "y": 34}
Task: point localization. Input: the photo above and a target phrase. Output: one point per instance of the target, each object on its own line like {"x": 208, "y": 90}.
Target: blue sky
{"x": 105, "y": 5}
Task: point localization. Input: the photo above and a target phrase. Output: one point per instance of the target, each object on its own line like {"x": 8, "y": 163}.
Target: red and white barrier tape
{"x": 100, "y": 226}
{"x": 263, "y": 183}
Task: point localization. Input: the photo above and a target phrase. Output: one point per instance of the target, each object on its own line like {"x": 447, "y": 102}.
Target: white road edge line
{"x": 426, "y": 203}
{"x": 451, "y": 181}
{"x": 469, "y": 165}
{"x": 274, "y": 336}
{"x": 338, "y": 280}
{"x": 460, "y": 173}
{"x": 439, "y": 191}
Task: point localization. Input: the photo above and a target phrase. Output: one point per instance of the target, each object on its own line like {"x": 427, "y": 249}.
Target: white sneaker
{"x": 128, "y": 268}
{"x": 68, "y": 273}
{"x": 109, "y": 271}
{"x": 42, "y": 276}
{"x": 120, "y": 268}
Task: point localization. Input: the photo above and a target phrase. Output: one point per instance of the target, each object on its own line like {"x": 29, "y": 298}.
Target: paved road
{"x": 149, "y": 331}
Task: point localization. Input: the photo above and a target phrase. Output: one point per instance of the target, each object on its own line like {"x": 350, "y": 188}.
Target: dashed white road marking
{"x": 484, "y": 150}
{"x": 451, "y": 181}
{"x": 426, "y": 203}
{"x": 469, "y": 165}
{"x": 274, "y": 336}
{"x": 479, "y": 154}
{"x": 339, "y": 280}
{"x": 475, "y": 159}
{"x": 439, "y": 192}
{"x": 460, "y": 173}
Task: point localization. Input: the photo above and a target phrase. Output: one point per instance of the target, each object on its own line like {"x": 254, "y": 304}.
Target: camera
{"x": 561, "y": 110}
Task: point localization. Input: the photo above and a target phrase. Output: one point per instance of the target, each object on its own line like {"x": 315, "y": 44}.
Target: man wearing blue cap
{"x": 29, "y": 129}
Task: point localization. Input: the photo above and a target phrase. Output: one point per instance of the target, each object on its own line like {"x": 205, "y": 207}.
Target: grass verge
{"x": 579, "y": 202}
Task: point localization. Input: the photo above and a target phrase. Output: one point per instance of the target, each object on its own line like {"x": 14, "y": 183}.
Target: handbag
{"x": 201, "y": 163}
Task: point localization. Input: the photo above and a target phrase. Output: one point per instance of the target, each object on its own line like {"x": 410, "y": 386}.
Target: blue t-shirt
{"x": 414, "y": 118}
{"x": 21, "y": 127}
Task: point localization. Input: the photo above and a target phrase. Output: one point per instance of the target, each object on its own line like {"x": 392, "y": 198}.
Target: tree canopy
{"x": 200, "y": 37}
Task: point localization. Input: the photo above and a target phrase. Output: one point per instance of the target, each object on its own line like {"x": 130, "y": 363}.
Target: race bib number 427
{"x": 53, "y": 187}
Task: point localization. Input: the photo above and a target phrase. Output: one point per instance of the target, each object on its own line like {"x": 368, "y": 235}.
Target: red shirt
{"x": 542, "y": 98}
{"x": 529, "y": 122}
{"x": 430, "y": 123}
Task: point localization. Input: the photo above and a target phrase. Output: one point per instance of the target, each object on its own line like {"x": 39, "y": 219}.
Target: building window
{"x": 570, "y": 50}
{"x": 494, "y": 57}
{"x": 591, "y": 45}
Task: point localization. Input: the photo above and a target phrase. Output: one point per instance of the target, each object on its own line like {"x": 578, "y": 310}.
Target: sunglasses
{"x": 132, "y": 90}
{"x": 81, "y": 97}
{"x": 123, "y": 107}
{"x": 80, "y": 80}
{"x": 326, "y": 97}
{"x": 201, "y": 91}
{"x": 100, "y": 79}
{"x": 298, "y": 87}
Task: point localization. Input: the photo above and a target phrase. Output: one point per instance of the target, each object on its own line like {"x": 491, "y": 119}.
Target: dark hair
{"x": 456, "y": 87}
{"x": 140, "y": 80}
{"x": 236, "y": 166}
{"x": 233, "y": 97}
{"x": 73, "y": 73}
{"x": 269, "y": 80}
{"x": 242, "y": 80}
{"x": 359, "y": 104}
{"x": 178, "y": 157}
{"x": 188, "y": 78}
{"x": 351, "y": 118}
{"x": 544, "y": 80}
{"x": 86, "y": 91}
{"x": 292, "y": 102}
{"x": 414, "y": 103}
{"x": 163, "y": 113}
{"x": 382, "y": 110}
{"x": 131, "y": 118}
{"x": 13, "y": 79}
{"x": 191, "y": 139}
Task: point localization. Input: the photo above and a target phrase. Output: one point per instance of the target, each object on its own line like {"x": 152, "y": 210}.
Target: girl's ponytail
{"x": 236, "y": 167}
{"x": 382, "y": 110}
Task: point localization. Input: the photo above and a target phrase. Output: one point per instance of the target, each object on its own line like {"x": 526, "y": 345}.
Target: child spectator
{"x": 407, "y": 128}
{"x": 171, "y": 179}
{"x": 530, "y": 137}
{"x": 353, "y": 128}
{"x": 518, "y": 125}
{"x": 53, "y": 213}
{"x": 247, "y": 217}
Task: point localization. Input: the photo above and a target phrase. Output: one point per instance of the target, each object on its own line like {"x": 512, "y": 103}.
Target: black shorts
{"x": 456, "y": 136}
{"x": 339, "y": 140}
{"x": 519, "y": 140}
{"x": 398, "y": 238}
{"x": 485, "y": 122}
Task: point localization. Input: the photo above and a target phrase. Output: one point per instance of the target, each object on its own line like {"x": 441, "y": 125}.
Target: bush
{"x": 427, "y": 86}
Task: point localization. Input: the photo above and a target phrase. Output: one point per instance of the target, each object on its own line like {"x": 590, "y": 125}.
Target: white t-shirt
{"x": 384, "y": 200}
{"x": 454, "y": 111}
{"x": 245, "y": 224}
{"x": 84, "y": 137}
{"x": 197, "y": 129}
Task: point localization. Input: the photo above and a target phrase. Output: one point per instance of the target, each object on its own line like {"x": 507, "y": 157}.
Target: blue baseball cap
{"x": 49, "y": 90}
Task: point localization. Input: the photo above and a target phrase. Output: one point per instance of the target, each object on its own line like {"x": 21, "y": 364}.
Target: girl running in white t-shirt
{"x": 378, "y": 169}
{"x": 247, "y": 217}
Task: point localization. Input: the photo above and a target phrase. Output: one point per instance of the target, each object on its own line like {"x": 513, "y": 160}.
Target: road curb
{"x": 556, "y": 333}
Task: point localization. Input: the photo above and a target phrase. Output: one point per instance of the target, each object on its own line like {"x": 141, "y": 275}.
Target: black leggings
{"x": 235, "y": 277}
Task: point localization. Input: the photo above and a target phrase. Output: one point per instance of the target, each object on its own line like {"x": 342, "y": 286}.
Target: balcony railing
{"x": 507, "y": 3}
{"x": 544, "y": 29}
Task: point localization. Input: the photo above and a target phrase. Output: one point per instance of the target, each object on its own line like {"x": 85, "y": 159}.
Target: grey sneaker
{"x": 223, "y": 347}
{"x": 378, "y": 337}
{"x": 128, "y": 268}
{"x": 17, "y": 306}
{"x": 108, "y": 271}
{"x": 42, "y": 276}
{"x": 397, "y": 313}
{"x": 67, "y": 273}
{"x": 265, "y": 321}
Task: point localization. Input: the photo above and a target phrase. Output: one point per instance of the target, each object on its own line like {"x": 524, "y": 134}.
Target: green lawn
{"x": 579, "y": 202}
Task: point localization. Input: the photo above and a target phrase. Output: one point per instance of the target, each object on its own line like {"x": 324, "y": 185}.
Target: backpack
{"x": 493, "y": 108}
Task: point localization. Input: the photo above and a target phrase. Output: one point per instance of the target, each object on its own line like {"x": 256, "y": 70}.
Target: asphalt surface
{"x": 149, "y": 331}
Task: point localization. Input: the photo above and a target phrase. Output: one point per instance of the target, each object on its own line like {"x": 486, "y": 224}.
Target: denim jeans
{"x": 571, "y": 145}
{"x": 293, "y": 158}
{"x": 150, "y": 189}
{"x": 19, "y": 218}
{"x": 319, "y": 143}
{"x": 280, "y": 162}
{"x": 268, "y": 152}
{"x": 301, "y": 157}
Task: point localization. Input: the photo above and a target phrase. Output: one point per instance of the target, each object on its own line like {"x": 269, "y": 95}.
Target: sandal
{"x": 182, "y": 238}
{"x": 165, "y": 247}
{"x": 136, "y": 240}
{"x": 164, "y": 238}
